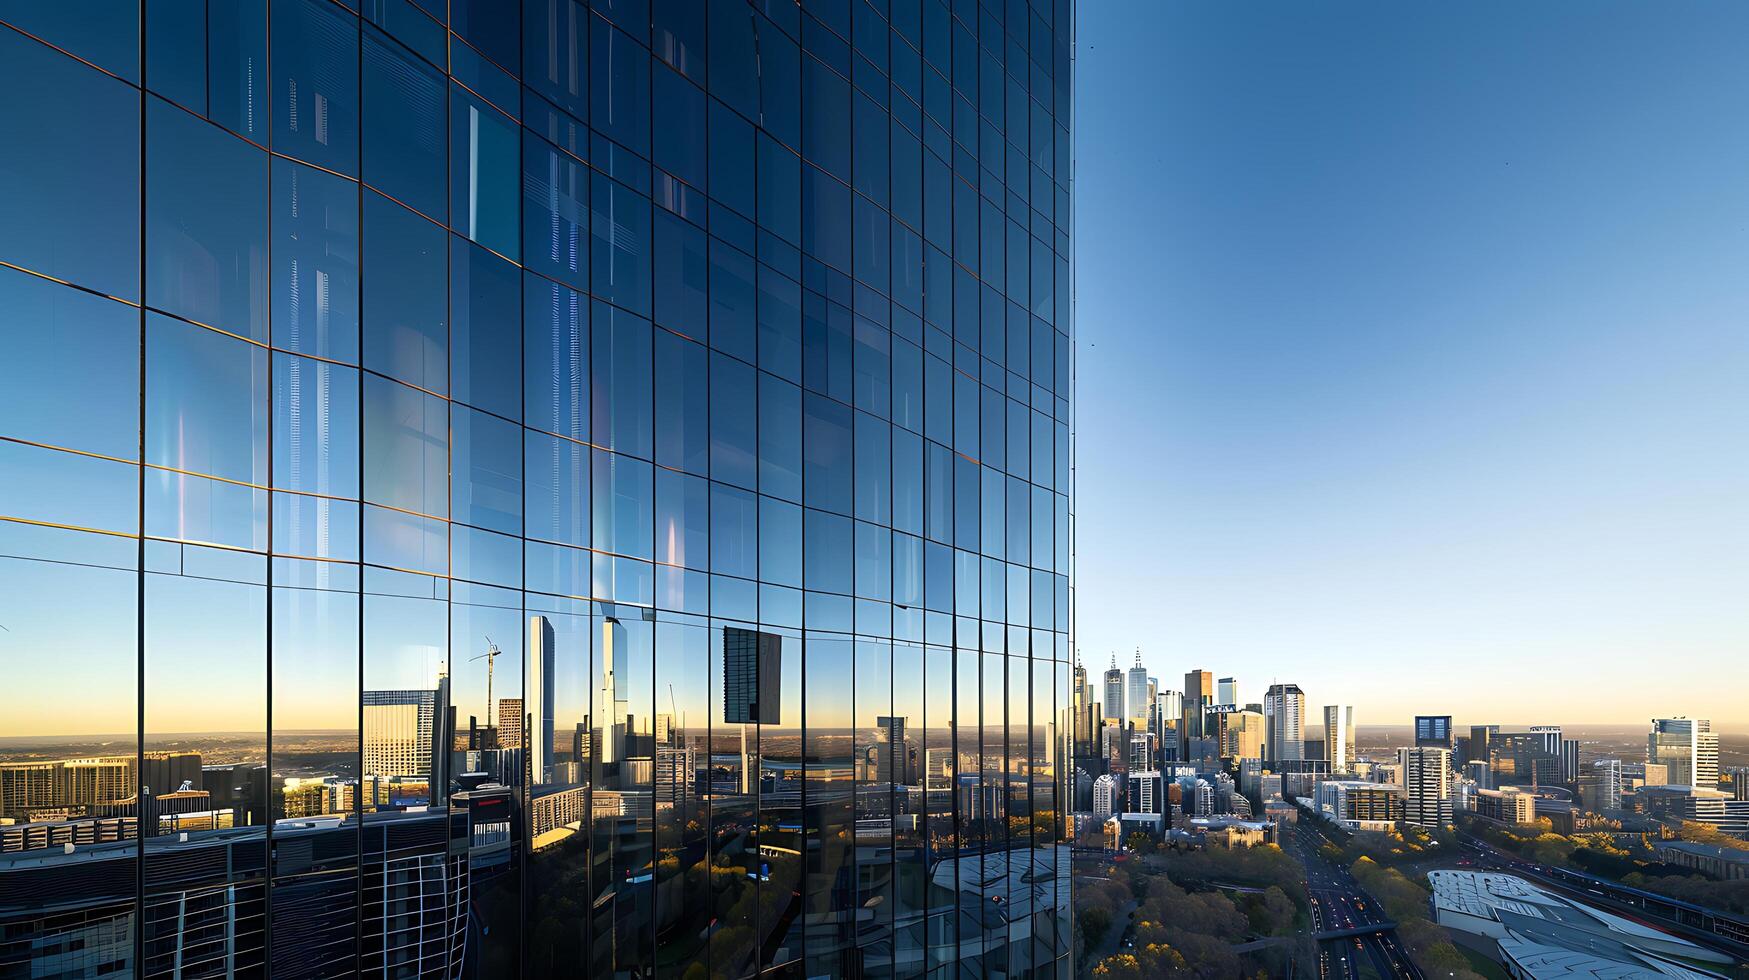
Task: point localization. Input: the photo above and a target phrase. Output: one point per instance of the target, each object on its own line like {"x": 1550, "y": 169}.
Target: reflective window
{"x": 70, "y": 205}
{"x": 206, "y": 223}
{"x": 315, "y": 64}
{"x": 315, "y": 262}
{"x": 71, "y": 374}
{"x": 406, "y": 331}
{"x": 402, "y": 100}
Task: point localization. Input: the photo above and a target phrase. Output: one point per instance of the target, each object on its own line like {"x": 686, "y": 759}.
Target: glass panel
{"x": 68, "y": 750}
{"x": 829, "y": 789}
{"x": 315, "y": 782}
{"x": 406, "y": 333}
{"x": 560, "y": 757}
{"x": 315, "y": 262}
{"x": 404, "y": 127}
{"x": 556, "y": 358}
{"x": 683, "y": 906}
{"x": 778, "y": 838}
{"x": 206, "y": 223}
{"x": 881, "y": 764}
{"x": 484, "y": 171}
{"x": 485, "y": 356}
{"x": 486, "y": 473}
{"x": 71, "y": 373}
{"x": 203, "y": 787}
{"x": 70, "y": 204}
{"x": 315, "y": 65}
{"x": 555, "y": 212}
{"x": 406, "y": 445}
{"x": 623, "y": 811}
{"x": 206, "y": 402}
{"x": 315, "y": 426}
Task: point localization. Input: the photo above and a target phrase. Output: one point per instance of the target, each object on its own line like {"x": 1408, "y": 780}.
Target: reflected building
{"x": 538, "y": 488}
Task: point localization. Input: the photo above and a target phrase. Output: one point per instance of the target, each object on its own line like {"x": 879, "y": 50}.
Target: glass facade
{"x": 569, "y": 489}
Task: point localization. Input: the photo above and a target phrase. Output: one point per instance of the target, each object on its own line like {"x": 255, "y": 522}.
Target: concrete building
{"x": 1227, "y": 690}
{"x": 1357, "y": 805}
{"x": 1106, "y": 791}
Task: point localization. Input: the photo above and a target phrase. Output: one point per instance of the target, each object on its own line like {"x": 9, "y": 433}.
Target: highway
{"x": 1339, "y": 902}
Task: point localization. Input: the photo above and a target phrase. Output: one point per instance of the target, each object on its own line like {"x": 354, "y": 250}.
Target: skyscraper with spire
{"x": 1137, "y": 693}
{"x": 1114, "y": 693}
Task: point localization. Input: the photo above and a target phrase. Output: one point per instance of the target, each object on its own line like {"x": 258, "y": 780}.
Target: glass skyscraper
{"x": 558, "y": 489}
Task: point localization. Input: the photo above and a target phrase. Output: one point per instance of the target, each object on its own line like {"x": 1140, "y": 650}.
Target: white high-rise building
{"x": 1284, "y": 711}
{"x": 1339, "y": 737}
{"x": 1227, "y": 691}
{"x": 613, "y": 705}
{"x": 539, "y": 701}
{"x": 1426, "y": 774}
{"x": 1689, "y": 750}
{"x": 1105, "y": 790}
{"x": 1137, "y": 694}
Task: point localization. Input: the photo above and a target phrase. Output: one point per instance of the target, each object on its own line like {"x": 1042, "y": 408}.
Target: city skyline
{"x": 1411, "y": 353}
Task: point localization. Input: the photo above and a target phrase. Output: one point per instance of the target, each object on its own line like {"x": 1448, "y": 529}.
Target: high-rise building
{"x": 1136, "y": 693}
{"x": 403, "y": 734}
{"x": 1426, "y": 775}
{"x": 1147, "y": 792}
{"x": 1114, "y": 692}
{"x": 371, "y": 368}
{"x": 542, "y": 725}
{"x": 1339, "y": 737}
{"x": 1199, "y": 692}
{"x": 1570, "y": 760}
{"x": 1739, "y": 776}
{"x": 1604, "y": 785}
{"x": 1433, "y": 730}
{"x": 1284, "y": 710}
{"x": 1105, "y": 796}
{"x": 1482, "y": 743}
{"x": 1688, "y": 748}
{"x": 1245, "y": 732}
{"x": 1227, "y": 691}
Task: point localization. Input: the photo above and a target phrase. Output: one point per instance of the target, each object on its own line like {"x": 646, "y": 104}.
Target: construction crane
{"x": 490, "y": 657}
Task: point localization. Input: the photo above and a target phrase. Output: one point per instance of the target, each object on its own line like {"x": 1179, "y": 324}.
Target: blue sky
{"x": 1414, "y": 353}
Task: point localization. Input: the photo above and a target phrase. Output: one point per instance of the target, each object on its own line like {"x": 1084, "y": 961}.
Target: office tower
{"x": 1600, "y": 788}
{"x": 355, "y": 336}
{"x": 1688, "y": 748}
{"x": 1433, "y": 730}
{"x": 1426, "y": 776}
{"x": 1114, "y": 713}
{"x": 1739, "y": 776}
{"x": 1550, "y": 739}
{"x": 611, "y": 705}
{"x": 402, "y": 735}
{"x": 1348, "y": 735}
{"x": 1530, "y": 759}
{"x": 1227, "y": 691}
{"x": 1482, "y": 742}
{"x": 892, "y": 764}
{"x": 1105, "y": 796}
{"x": 1198, "y": 692}
{"x": 1570, "y": 760}
{"x": 538, "y": 686}
{"x": 1338, "y": 737}
{"x": 510, "y": 719}
{"x": 1144, "y": 752}
{"x": 1147, "y": 792}
{"x": 1284, "y": 708}
{"x": 1245, "y": 732}
{"x": 1136, "y": 693}
{"x": 1169, "y": 708}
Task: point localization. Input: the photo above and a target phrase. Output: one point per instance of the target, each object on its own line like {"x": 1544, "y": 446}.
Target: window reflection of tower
{"x": 614, "y": 707}
{"x": 539, "y": 702}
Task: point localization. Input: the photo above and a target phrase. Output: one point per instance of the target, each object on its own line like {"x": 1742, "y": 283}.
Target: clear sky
{"x": 1414, "y": 353}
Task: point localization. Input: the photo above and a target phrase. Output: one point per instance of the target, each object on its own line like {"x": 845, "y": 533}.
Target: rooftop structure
{"x": 1543, "y": 936}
